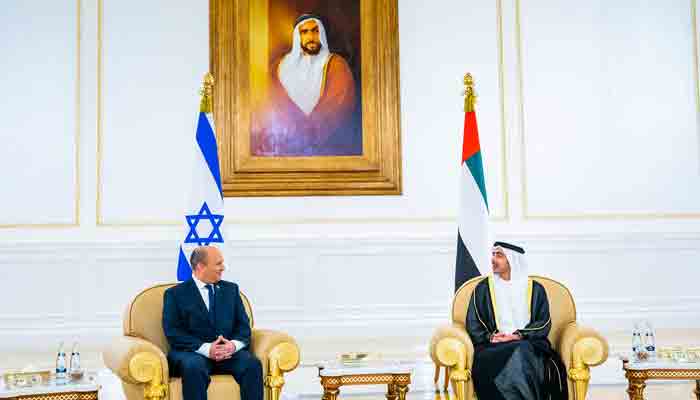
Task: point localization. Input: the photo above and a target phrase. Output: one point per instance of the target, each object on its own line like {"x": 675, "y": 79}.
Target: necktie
{"x": 212, "y": 303}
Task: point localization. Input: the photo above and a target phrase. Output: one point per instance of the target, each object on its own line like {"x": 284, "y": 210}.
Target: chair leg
{"x": 460, "y": 378}
{"x": 581, "y": 376}
{"x": 446, "y": 386}
{"x": 453, "y": 353}
{"x": 145, "y": 367}
{"x": 436, "y": 376}
{"x": 274, "y": 382}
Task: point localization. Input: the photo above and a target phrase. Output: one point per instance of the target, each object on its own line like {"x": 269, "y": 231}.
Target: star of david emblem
{"x": 206, "y": 215}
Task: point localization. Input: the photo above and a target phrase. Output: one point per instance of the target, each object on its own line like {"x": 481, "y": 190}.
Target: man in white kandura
{"x": 508, "y": 321}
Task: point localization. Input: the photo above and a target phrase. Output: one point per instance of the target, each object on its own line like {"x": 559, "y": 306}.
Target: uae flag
{"x": 473, "y": 245}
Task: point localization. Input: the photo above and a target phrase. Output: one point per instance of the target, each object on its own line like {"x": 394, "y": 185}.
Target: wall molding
{"x": 308, "y": 315}
{"x": 100, "y": 114}
{"x": 649, "y": 215}
{"x": 76, "y": 141}
{"x": 342, "y": 322}
{"x": 351, "y": 243}
{"x": 622, "y": 313}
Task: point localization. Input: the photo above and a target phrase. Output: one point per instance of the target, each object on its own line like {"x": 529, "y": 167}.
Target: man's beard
{"x": 309, "y": 51}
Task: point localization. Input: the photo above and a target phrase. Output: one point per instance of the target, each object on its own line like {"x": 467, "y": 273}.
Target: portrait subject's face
{"x": 310, "y": 38}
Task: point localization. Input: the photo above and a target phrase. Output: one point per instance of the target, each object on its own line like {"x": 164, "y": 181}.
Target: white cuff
{"x": 204, "y": 349}
{"x": 239, "y": 345}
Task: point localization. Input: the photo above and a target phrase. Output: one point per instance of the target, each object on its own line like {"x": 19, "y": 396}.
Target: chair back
{"x": 561, "y": 304}
{"x": 144, "y": 315}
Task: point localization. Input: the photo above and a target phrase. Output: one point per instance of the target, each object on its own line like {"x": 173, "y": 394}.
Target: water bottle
{"x": 649, "y": 340}
{"x": 75, "y": 361}
{"x": 61, "y": 365}
{"x": 636, "y": 341}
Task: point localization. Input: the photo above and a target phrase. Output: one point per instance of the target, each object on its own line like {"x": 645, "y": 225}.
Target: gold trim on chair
{"x": 145, "y": 368}
{"x": 284, "y": 357}
{"x": 453, "y": 354}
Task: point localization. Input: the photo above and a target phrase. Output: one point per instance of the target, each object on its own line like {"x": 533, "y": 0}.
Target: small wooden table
{"x": 85, "y": 389}
{"x": 638, "y": 372}
{"x": 397, "y": 377}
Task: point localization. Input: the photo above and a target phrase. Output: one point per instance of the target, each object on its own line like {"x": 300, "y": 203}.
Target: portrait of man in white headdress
{"x": 313, "y": 106}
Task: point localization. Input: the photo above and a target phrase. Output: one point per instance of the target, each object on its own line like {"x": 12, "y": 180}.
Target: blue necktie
{"x": 212, "y": 303}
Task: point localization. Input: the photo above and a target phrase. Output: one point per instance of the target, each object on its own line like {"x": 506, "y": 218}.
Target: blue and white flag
{"x": 205, "y": 210}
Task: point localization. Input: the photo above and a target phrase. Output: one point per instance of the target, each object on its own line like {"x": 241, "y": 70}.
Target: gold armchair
{"x": 580, "y": 348}
{"x": 138, "y": 358}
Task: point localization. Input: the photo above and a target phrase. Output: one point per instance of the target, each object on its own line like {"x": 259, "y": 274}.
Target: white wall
{"x": 588, "y": 115}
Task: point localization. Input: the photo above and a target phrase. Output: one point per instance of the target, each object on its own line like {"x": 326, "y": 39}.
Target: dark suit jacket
{"x": 186, "y": 322}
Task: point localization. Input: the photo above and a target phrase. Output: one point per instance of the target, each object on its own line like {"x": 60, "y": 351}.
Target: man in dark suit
{"x": 207, "y": 327}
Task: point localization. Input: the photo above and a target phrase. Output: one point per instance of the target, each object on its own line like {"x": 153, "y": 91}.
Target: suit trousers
{"x": 195, "y": 370}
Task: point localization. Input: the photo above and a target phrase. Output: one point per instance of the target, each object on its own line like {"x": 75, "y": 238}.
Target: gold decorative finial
{"x": 469, "y": 93}
{"x": 206, "y": 92}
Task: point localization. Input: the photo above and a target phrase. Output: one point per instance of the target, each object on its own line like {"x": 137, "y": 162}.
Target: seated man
{"x": 208, "y": 330}
{"x": 508, "y": 322}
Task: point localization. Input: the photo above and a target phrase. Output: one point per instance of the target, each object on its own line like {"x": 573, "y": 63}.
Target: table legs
{"x": 697, "y": 390}
{"x": 330, "y": 393}
{"x": 402, "y": 389}
{"x": 396, "y": 391}
{"x": 636, "y": 389}
{"x": 396, "y": 388}
{"x": 391, "y": 392}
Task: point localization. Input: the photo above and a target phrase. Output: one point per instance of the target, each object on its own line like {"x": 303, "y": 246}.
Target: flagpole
{"x": 469, "y": 93}
{"x": 206, "y": 92}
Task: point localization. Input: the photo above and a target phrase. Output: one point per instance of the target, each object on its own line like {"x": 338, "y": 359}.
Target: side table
{"x": 638, "y": 372}
{"x": 84, "y": 389}
{"x": 397, "y": 377}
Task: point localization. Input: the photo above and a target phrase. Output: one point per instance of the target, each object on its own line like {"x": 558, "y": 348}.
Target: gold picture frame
{"x": 377, "y": 171}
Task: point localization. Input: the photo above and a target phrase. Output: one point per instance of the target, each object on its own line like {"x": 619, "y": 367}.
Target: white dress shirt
{"x": 204, "y": 348}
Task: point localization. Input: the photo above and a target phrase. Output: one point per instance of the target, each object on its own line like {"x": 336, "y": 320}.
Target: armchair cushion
{"x": 221, "y": 387}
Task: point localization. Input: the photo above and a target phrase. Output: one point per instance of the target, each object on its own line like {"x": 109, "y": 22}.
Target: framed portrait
{"x": 306, "y": 96}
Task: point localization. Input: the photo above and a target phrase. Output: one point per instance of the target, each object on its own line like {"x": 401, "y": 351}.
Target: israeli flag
{"x": 205, "y": 210}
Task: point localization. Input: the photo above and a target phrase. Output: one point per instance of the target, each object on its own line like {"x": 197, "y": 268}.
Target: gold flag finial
{"x": 469, "y": 93}
{"x": 207, "y": 90}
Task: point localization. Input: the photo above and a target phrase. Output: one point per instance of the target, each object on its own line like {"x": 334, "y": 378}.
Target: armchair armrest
{"x": 136, "y": 360}
{"x": 452, "y": 347}
{"x": 580, "y": 346}
{"x": 278, "y": 353}
{"x": 580, "y": 349}
{"x": 451, "y": 344}
{"x": 274, "y": 347}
